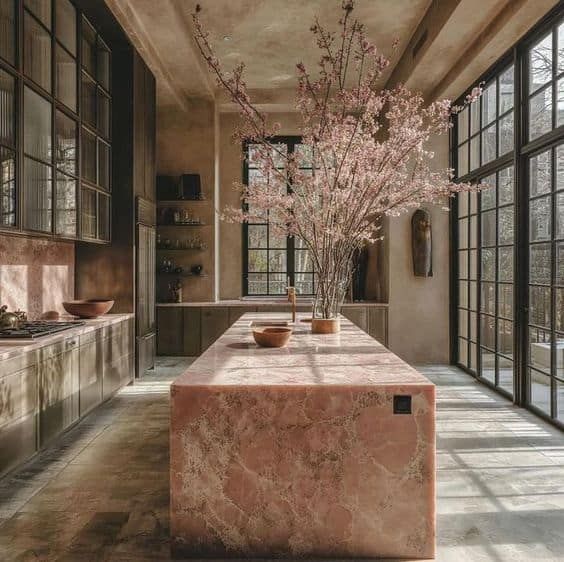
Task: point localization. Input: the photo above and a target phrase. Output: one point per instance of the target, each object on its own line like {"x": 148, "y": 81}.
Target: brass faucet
{"x": 292, "y": 299}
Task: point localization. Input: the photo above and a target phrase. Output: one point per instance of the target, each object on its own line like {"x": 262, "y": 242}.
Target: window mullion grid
{"x": 553, "y": 340}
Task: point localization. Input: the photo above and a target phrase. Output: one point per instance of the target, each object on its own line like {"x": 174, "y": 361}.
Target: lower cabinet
{"x": 18, "y": 415}
{"x": 58, "y": 389}
{"x": 190, "y": 330}
{"x": 45, "y": 391}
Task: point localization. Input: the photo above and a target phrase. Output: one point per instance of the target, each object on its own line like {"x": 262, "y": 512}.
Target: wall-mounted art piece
{"x": 421, "y": 243}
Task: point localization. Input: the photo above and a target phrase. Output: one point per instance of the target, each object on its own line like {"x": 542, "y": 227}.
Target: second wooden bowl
{"x": 272, "y": 336}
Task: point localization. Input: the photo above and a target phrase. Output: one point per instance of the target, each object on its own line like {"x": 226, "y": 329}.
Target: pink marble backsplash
{"x": 36, "y": 275}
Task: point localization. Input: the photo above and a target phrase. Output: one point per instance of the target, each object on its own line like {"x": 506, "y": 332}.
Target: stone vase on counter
{"x": 329, "y": 296}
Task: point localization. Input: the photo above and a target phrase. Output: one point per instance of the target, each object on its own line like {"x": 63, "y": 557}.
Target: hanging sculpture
{"x": 421, "y": 243}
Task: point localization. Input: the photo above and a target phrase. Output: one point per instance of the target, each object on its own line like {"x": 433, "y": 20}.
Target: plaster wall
{"x": 36, "y": 275}
{"x": 185, "y": 144}
{"x": 418, "y": 306}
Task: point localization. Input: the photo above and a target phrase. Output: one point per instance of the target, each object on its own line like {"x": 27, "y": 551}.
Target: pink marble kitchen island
{"x": 298, "y": 452}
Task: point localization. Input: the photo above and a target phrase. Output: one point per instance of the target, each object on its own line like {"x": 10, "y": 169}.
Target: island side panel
{"x": 325, "y": 471}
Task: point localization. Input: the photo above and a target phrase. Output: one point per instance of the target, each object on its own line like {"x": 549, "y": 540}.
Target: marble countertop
{"x": 11, "y": 348}
{"x": 350, "y": 358}
{"x": 260, "y": 302}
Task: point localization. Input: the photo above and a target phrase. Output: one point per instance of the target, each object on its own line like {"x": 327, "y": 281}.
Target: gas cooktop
{"x": 37, "y": 329}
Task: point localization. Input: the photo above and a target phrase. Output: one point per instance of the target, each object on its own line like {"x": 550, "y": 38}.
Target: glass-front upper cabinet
{"x": 62, "y": 102}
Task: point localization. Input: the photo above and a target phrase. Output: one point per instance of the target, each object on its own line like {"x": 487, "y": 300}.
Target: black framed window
{"x": 270, "y": 261}
{"x": 510, "y": 315}
{"x": 55, "y": 132}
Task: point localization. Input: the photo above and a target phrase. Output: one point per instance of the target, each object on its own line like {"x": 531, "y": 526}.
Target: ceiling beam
{"x": 436, "y": 17}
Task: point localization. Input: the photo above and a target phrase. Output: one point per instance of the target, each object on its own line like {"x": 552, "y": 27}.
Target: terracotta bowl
{"x": 91, "y": 308}
{"x": 272, "y": 336}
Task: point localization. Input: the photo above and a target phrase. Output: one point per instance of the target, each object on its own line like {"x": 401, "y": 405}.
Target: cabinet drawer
{"x": 117, "y": 374}
{"x": 18, "y": 396}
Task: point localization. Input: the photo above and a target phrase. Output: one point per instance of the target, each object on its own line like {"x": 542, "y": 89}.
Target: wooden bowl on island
{"x": 272, "y": 336}
{"x": 90, "y": 308}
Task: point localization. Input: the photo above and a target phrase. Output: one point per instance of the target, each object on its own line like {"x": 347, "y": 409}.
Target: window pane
{"x": 463, "y": 323}
{"x": 37, "y": 52}
{"x": 88, "y": 47}
{"x": 65, "y": 148}
{"x": 506, "y": 90}
{"x": 7, "y": 111}
{"x": 560, "y": 265}
{"x": 463, "y": 160}
{"x": 489, "y": 104}
{"x": 488, "y": 365}
{"x": 540, "y": 113}
{"x": 8, "y": 35}
{"x": 487, "y": 331}
{"x": 475, "y": 152}
{"x": 462, "y": 124}
{"x": 103, "y": 165}
{"x": 559, "y": 325}
{"x": 487, "y": 295}
{"x": 303, "y": 261}
{"x": 475, "y": 116}
{"x": 473, "y": 290}
{"x": 489, "y": 144}
{"x": 539, "y": 306}
{"x": 257, "y": 284}
{"x": 539, "y": 263}
{"x": 540, "y": 63}
{"x": 7, "y": 187}
{"x": 463, "y": 264}
{"x": 258, "y": 260}
{"x": 88, "y": 101}
{"x": 462, "y": 199}
{"x": 41, "y": 9}
{"x": 473, "y": 231}
{"x": 559, "y": 227}
{"x": 103, "y": 114}
{"x": 540, "y": 174}
{"x": 277, "y": 260}
{"x": 463, "y": 294}
{"x": 506, "y": 132}
{"x": 88, "y": 213}
{"x": 38, "y": 196}
{"x": 560, "y": 103}
{"x": 103, "y": 217}
{"x": 65, "y": 86}
{"x": 473, "y": 264}
{"x": 488, "y": 264}
{"x": 487, "y": 195}
{"x": 505, "y": 264}
{"x": 88, "y": 151}
{"x": 505, "y": 373}
{"x": 505, "y": 301}
{"x": 66, "y": 24}
{"x": 505, "y": 185}
{"x": 103, "y": 65}
{"x": 463, "y": 352}
{"x": 37, "y": 125}
{"x": 304, "y": 283}
{"x": 560, "y": 167}
{"x": 506, "y": 225}
{"x": 489, "y": 228}
{"x": 540, "y": 390}
{"x": 539, "y": 349}
{"x": 258, "y": 236}
{"x": 540, "y": 219}
{"x": 463, "y": 233}
{"x": 65, "y": 209}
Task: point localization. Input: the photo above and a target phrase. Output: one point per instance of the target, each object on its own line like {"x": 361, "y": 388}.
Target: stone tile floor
{"x": 101, "y": 492}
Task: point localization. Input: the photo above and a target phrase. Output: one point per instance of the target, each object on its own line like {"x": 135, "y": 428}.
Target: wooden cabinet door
{"x": 170, "y": 339}
{"x": 378, "y": 324}
{"x": 357, "y": 315}
{"x": 18, "y": 417}
{"x": 58, "y": 393}
{"x": 215, "y": 321}
{"x": 91, "y": 375}
{"x": 191, "y": 331}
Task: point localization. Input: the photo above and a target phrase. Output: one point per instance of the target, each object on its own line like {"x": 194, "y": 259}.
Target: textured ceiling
{"x": 271, "y": 36}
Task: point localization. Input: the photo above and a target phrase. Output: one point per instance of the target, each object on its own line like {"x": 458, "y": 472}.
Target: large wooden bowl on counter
{"x": 90, "y": 308}
{"x": 272, "y": 336}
